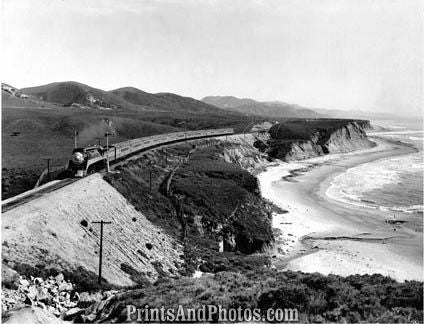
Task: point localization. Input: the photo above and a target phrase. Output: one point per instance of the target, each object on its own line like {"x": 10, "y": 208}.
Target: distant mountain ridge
{"x": 71, "y": 93}
{"x": 359, "y": 114}
{"x": 283, "y": 109}
{"x": 267, "y": 108}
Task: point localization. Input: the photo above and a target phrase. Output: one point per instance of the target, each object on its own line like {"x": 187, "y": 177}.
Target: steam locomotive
{"x": 86, "y": 160}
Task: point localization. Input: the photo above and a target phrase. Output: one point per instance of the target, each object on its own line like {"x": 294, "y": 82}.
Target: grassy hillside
{"x": 47, "y": 131}
{"x": 30, "y": 136}
{"x": 222, "y": 195}
{"x": 166, "y": 101}
{"x": 67, "y": 93}
{"x": 269, "y": 109}
{"x": 10, "y": 100}
{"x": 190, "y": 104}
{"x": 220, "y": 201}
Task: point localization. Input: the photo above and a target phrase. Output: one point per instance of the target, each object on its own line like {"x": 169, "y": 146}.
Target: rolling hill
{"x": 12, "y": 97}
{"x": 81, "y": 95}
{"x": 68, "y": 93}
{"x": 253, "y": 107}
{"x": 165, "y": 101}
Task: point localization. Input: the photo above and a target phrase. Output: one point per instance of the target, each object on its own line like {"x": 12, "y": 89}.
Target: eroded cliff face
{"x": 349, "y": 138}
{"x": 240, "y": 150}
{"x": 288, "y": 142}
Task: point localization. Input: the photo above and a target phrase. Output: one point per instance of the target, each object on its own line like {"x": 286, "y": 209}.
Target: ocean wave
{"x": 400, "y": 135}
{"x": 414, "y": 138}
{"x": 404, "y": 209}
{"x": 396, "y": 127}
{"x": 354, "y": 185}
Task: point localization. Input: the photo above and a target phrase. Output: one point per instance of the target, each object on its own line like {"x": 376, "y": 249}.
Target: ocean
{"x": 392, "y": 184}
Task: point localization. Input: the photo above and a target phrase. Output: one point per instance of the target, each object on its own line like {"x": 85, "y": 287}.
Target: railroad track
{"x": 34, "y": 193}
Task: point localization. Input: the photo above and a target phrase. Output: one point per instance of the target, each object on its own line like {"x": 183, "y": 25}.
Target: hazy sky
{"x": 344, "y": 54}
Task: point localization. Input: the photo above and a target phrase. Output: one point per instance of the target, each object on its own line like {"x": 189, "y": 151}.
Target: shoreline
{"x": 320, "y": 234}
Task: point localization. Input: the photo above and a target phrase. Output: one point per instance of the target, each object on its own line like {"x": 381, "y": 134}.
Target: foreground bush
{"x": 318, "y": 298}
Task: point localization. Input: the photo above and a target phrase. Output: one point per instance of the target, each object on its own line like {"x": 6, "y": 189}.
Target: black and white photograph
{"x": 212, "y": 161}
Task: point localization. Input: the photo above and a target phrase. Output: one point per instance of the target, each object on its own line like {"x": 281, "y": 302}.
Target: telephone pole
{"x": 107, "y": 151}
{"x": 48, "y": 169}
{"x": 99, "y": 280}
{"x": 75, "y": 138}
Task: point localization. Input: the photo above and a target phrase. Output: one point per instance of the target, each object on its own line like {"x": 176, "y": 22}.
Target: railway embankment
{"x": 55, "y": 233}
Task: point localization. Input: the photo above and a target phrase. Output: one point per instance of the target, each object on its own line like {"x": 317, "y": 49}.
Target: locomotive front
{"x": 86, "y": 160}
{"x": 78, "y": 162}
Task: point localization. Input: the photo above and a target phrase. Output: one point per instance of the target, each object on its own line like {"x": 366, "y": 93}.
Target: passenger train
{"x": 86, "y": 160}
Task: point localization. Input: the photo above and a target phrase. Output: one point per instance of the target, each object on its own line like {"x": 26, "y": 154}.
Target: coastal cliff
{"x": 296, "y": 140}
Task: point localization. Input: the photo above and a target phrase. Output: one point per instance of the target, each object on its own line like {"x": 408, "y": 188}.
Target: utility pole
{"x": 99, "y": 280}
{"x": 48, "y": 169}
{"x": 75, "y": 138}
{"x": 107, "y": 151}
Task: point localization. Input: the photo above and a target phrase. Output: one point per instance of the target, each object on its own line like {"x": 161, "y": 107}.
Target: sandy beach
{"x": 320, "y": 234}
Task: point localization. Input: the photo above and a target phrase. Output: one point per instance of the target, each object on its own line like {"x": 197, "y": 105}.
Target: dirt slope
{"x": 47, "y": 232}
